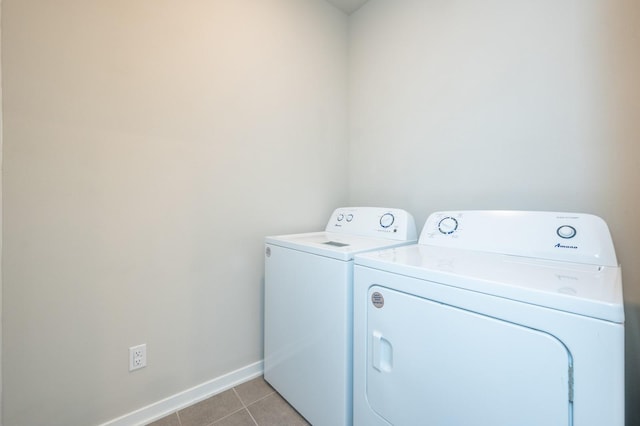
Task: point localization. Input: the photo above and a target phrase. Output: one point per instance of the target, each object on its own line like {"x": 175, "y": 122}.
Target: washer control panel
{"x": 376, "y": 222}
{"x": 574, "y": 237}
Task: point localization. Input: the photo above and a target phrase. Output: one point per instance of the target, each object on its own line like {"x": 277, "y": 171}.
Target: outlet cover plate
{"x": 137, "y": 357}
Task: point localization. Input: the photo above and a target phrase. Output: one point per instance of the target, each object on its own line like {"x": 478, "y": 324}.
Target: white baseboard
{"x": 183, "y": 399}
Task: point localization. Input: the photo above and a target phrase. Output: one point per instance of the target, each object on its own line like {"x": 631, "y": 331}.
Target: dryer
{"x": 308, "y": 318}
{"x": 494, "y": 318}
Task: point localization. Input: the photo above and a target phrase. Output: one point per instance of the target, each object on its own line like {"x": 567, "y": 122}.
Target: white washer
{"x": 308, "y": 308}
{"x": 494, "y": 318}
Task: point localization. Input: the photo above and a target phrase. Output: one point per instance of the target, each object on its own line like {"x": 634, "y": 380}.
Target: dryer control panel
{"x": 571, "y": 237}
{"x": 373, "y": 222}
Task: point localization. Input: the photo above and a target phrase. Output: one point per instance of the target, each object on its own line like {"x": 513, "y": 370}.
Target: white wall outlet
{"x": 137, "y": 357}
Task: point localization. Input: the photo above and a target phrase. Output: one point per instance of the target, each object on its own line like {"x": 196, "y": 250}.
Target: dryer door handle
{"x": 382, "y": 356}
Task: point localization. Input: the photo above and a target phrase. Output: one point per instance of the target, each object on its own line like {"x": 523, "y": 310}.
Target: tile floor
{"x": 253, "y": 403}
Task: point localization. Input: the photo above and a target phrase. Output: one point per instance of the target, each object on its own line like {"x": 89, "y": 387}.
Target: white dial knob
{"x": 386, "y": 220}
{"x": 340, "y": 217}
{"x": 349, "y": 217}
{"x": 448, "y": 225}
{"x": 566, "y": 231}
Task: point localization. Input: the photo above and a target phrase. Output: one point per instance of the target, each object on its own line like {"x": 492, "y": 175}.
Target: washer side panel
{"x": 308, "y": 333}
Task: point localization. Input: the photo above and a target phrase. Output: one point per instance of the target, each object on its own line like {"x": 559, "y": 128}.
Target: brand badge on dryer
{"x": 565, "y": 246}
{"x": 377, "y": 299}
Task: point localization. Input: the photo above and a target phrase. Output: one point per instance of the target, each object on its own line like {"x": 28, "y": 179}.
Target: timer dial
{"x": 448, "y": 225}
{"x": 566, "y": 231}
{"x": 386, "y": 220}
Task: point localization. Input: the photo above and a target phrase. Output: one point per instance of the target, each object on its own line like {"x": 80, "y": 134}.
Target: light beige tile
{"x": 170, "y": 420}
{"x": 240, "y": 418}
{"x": 275, "y": 411}
{"x": 253, "y": 390}
{"x": 208, "y": 411}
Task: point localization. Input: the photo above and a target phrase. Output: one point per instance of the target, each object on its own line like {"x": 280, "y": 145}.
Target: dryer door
{"x": 434, "y": 364}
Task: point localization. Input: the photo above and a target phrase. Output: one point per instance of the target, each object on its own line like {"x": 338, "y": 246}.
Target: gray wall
{"x": 149, "y": 147}
{"x": 1, "y": 399}
{"x": 503, "y": 104}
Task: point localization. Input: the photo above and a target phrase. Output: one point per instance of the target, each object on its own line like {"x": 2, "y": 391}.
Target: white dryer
{"x": 495, "y": 318}
{"x": 308, "y": 330}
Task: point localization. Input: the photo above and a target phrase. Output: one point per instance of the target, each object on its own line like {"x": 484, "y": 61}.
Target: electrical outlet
{"x": 137, "y": 357}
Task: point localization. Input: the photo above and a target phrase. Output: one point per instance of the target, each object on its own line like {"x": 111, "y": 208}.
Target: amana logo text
{"x": 563, "y": 246}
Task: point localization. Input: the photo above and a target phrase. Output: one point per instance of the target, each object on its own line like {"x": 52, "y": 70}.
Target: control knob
{"x": 448, "y": 225}
{"x": 566, "y": 231}
{"x": 386, "y": 220}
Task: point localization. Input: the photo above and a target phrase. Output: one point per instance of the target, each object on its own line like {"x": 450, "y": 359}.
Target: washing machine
{"x": 495, "y": 318}
{"x": 308, "y": 318}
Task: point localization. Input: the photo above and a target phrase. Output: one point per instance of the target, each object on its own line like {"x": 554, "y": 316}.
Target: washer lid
{"x": 588, "y": 290}
{"x": 335, "y": 245}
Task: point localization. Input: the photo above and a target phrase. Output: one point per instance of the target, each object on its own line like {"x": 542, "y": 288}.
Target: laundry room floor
{"x": 253, "y": 403}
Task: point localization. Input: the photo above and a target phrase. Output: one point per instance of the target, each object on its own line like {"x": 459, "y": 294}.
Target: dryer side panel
{"x": 431, "y": 363}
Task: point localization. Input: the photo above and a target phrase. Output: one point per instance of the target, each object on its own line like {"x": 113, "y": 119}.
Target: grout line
{"x": 245, "y": 406}
{"x": 252, "y": 418}
{"x": 254, "y": 402}
{"x": 228, "y": 415}
{"x": 238, "y": 396}
{"x": 267, "y": 395}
